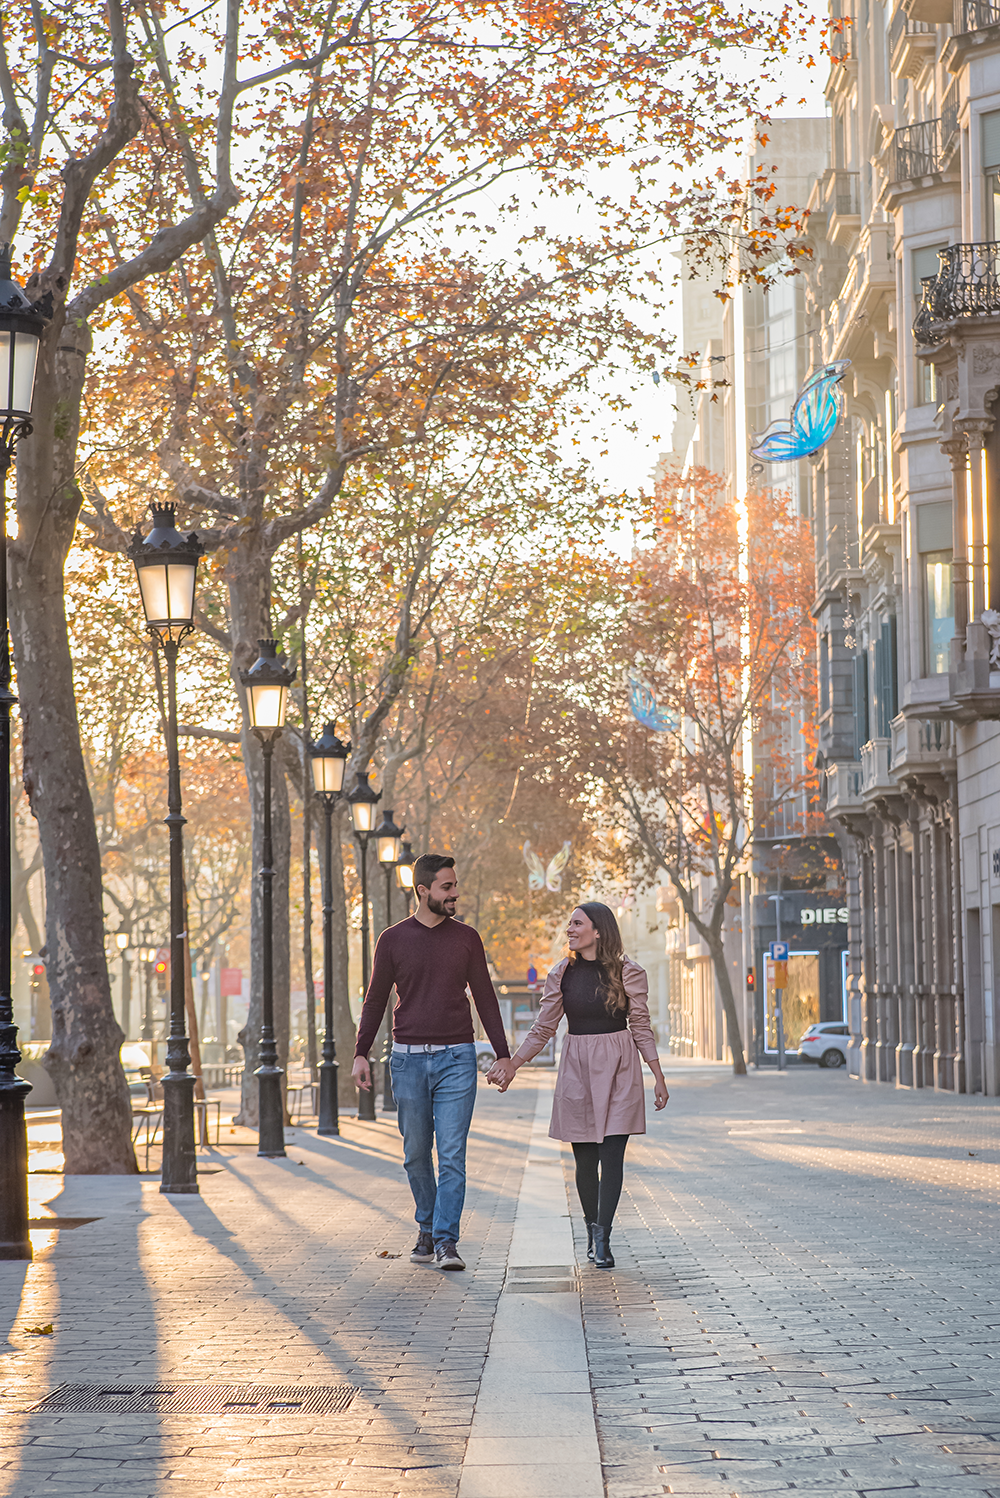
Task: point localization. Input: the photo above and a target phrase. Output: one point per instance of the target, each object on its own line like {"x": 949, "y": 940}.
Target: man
{"x": 431, "y": 958}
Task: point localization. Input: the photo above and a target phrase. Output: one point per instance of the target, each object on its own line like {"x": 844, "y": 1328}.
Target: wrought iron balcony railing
{"x": 916, "y": 150}
{"x": 967, "y": 285}
{"x": 840, "y": 192}
{"x": 976, "y": 15}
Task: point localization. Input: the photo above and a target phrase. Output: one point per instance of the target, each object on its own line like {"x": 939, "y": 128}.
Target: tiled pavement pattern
{"x": 271, "y": 1276}
{"x": 807, "y": 1299}
{"x": 807, "y": 1295}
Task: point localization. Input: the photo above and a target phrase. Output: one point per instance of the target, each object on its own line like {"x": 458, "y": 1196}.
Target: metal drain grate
{"x": 197, "y": 1399}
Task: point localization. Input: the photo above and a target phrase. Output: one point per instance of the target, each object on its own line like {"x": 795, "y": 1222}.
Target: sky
{"x": 631, "y": 459}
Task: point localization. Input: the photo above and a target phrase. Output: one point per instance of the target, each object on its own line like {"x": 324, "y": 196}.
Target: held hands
{"x": 362, "y": 1073}
{"x": 501, "y": 1074}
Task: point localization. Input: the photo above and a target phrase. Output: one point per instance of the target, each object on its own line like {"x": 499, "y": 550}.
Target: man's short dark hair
{"x": 427, "y": 868}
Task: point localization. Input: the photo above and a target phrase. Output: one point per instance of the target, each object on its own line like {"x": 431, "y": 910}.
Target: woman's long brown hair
{"x": 610, "y": 955}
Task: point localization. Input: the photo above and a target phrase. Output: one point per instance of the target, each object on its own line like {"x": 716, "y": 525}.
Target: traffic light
{"x": 751, "y": 980}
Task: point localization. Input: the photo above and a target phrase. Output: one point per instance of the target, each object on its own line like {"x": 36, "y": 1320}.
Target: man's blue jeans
{"x": 435, "y": 1094}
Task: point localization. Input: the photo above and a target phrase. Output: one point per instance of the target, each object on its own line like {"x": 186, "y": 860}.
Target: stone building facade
{"x": 905, "y": 233}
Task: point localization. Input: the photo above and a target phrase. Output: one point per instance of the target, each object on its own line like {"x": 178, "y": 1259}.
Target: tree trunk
{"x": 717, "y": 948}
{"x": 344, "y": 1033}
{"x": 83, "y": 1057}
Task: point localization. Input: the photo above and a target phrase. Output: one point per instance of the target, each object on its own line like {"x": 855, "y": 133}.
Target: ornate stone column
{"x": 957, "y": 450}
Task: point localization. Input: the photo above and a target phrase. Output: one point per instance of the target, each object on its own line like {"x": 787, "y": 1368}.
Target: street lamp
{"x": 404, "y": 873}
{"x": 146, "y": 955}
{"x": 121, "y": 942}
{"x": 267, "y": 683}
{"x": 362, "y": 801}
{"x": 329, "y": 760}
{"x": 166, "y": 566}
{"x": 21, "y": 330}
{"x": 389, "y": 844}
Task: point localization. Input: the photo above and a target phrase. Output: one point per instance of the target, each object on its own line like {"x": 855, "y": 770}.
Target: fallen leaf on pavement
{"x": 39, "y": 1331}
{"x": 384, "y": 1253}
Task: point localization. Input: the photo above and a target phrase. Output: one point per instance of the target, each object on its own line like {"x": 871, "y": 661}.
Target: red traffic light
{"x": 751, "y": 980}
{"x": 161, "y": 967}
{"x": 38, "y": 969}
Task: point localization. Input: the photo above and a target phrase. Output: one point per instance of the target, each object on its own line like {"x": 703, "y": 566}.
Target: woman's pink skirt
{"x": 599, "y": 1089}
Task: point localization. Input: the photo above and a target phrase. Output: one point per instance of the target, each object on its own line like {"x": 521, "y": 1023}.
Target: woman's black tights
{"x": 599, "y": 1193}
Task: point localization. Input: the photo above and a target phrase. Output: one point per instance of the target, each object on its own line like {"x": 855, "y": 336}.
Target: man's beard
{"x": 440, "y": 907}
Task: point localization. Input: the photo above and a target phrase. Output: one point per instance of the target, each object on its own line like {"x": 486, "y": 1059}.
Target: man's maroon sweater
{"x": 430, "y": 966}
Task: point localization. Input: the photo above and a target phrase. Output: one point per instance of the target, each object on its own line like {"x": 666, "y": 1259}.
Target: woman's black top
{"x": 583, "y": 1003}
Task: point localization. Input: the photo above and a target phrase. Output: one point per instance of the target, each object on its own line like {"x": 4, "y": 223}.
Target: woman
{"x": 599, "y": 1097}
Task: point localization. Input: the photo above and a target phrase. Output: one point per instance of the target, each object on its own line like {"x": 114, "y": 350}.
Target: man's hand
{"x": 502, "y": 1073}
{"x": 362, "y": 1073}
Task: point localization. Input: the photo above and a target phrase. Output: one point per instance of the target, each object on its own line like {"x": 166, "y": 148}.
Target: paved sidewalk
{"x": 806, "y": 1299}
{"x": 272, "y": 1276}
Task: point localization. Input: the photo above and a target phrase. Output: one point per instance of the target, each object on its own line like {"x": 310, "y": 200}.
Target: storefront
{"x": 815, "y": 928}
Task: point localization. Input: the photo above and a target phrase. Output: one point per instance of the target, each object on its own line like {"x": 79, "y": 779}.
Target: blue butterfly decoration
{"x": 814, "y": 417}
{"x": 645, "y": 708}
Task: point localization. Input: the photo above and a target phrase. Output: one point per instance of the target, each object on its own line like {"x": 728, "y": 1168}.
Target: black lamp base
{"x": 329, "y": 1123}
{"x": 271, "y": 1123}
{"x": 180, "y": 1160}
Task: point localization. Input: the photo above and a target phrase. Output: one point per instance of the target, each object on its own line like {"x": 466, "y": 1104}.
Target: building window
{"x": 990, "y": 125}
{"x": 939, "y": 610}
{"x": 933, "y": 525}
{"x": 925, "y": 263}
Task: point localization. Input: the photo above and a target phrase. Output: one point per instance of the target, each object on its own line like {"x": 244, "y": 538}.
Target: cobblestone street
{"x": 805, "y": 1299}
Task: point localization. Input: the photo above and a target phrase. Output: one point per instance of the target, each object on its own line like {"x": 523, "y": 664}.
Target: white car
{"x": 825, "y": 1043}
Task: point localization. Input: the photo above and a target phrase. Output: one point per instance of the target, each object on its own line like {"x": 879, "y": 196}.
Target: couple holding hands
{"x": 599, "y": 1100}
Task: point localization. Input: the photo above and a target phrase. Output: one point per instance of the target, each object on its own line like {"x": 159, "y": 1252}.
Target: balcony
{"x": 840, "y": 196}
{"x": 966, "y": 286}
{"x": 922, "y": 745}
{"x": 843, "y": 60}
{"x": 921, "y": 150}
{"x": 938, "y": 12}
{"x": 912, "y": 45}
{"x": 876, "y": 757}
{"x": 976, "y": 15}
{"x": 843, "y": 788}
{"x": 974, "y": 22}
{"x": 871, "y": 273}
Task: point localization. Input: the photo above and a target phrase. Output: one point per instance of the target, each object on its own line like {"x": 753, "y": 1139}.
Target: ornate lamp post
{"x": 166, "y": 565}
{"x": 329, "y": 760}
{"x": 121, "y": 942}
{"x": 146, "y": 956}
{"x": 363, "y": 801}
{"x": 388, "y": 843}
{"x": 404, "y": 873}
{"x": 20, "y": 333}
{"x": 267, "y": 683}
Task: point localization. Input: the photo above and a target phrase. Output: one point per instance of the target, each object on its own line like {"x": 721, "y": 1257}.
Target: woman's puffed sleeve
{"x": 549, "y": 1015}
{"x": 637, "y": 988}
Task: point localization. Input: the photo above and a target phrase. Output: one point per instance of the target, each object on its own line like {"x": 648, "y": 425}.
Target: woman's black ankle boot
{"x": 590, "y": 1241}
{"x": 603, "y": 1257}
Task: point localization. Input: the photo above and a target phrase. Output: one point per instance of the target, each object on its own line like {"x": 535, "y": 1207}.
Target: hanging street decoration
{"x": 540, "y": 877}
{"x": 645, "y": 708}
{"x": 814, "y": 417}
